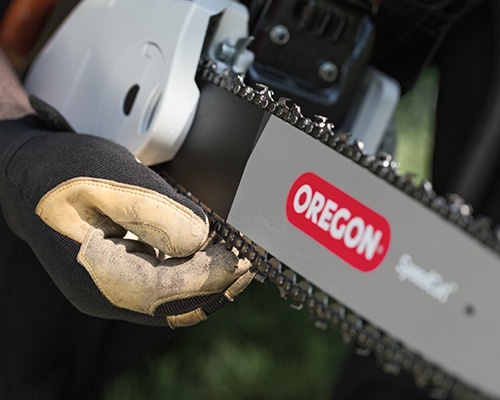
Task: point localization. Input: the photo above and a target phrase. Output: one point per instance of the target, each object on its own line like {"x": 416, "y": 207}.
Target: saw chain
{"x": 366, "y": 338}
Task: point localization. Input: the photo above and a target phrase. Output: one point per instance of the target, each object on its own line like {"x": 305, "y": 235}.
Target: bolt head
{"x": 279, "y": 35}
{"x": 328, "y": 72}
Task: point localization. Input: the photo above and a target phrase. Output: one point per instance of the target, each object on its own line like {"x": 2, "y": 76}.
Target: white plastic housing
{"x": 106, "y": 48}
{"x": 371, "y": 110}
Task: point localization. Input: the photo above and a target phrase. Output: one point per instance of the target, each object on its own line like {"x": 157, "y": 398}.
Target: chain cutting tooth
{"x": 290, "y": 113}
{"x": 252, "y": 254}
{"x": 264, "y": 99}
{"x": 296, "y": 115}
{"x": 301, "y": 293}
{"x": 326, "y": 134}
{"x": 227, "y": 79}
{"x": 289, "y": 281}
{"x": 391, "y": 368}
{"x": 321, "y": 120}
{"x": 360, "y": 146}
{"x": 238, "y": 83}
{"x": 275, "y": 272}
{"x": 367, "y": 161}
{"x": 357, "y": 150}
{"x": 243, "y": 89}
{"x": 343, "y": 137}
{"x": 384, "y": 159}
{"x": 460, "y": 211}
{"x": 320, "y": 124}
{"x": 427, "y": 193}
{"x": 209, "y": 71}
{"x": 236, "y": 240}
{"x": 438, "y": 394}
{"x": 405, "y": 183}
{"x": 306, "y": 125}
{"x": 317, "y": 304}
{"x": 352, "y": 325}
{"x": 263, "y": 265}
{"x": 323, "y": 128}
{"x": 264, "y": 89}
{"x": 250, "y": 96}
{"x": 362, "y": 352}
{"x": 282, "y": 107}
{"x": 485, "y": 233}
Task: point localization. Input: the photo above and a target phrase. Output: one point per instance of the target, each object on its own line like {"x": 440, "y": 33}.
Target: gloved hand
{"x": 73, "y": 198}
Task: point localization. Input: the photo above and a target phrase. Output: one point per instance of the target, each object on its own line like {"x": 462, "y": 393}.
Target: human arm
{"x": 13, "y": 98}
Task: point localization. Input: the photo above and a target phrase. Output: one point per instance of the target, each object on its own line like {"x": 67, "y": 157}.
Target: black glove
{"x": 73, "y": 198}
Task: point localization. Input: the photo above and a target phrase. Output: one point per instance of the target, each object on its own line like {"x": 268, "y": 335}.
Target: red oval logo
{"x": 352, "y": 231}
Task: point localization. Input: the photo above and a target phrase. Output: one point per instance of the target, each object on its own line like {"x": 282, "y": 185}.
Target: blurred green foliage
{"x": 258, "y": 347}
{"x": 414, "y": 119}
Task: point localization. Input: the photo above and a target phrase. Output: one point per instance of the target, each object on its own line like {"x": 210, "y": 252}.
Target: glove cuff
{"x": 49, "y": 116}
{"x": 15, "y": 133}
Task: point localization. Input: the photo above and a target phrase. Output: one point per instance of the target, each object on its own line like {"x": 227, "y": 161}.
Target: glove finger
{"x": 213, "y": 305}
{"x": 140, "y": 282}
{"x": 205, "y": 273}
{"x": 73, "y": 206}
{"x": 239, "y": 285}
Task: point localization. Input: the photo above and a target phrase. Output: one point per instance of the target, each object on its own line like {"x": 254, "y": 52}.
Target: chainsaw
{"x": 403, "y": 273}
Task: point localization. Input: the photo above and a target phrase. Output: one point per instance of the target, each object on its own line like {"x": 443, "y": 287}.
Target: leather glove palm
{"x": 74, "y": 197}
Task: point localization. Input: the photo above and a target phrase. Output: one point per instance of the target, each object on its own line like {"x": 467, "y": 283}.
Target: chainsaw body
{"x": 399, "y": 256}
{"x": 130, "y": 77}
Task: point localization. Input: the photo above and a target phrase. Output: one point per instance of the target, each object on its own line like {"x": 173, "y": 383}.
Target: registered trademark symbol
{"x": 380, "y": 249}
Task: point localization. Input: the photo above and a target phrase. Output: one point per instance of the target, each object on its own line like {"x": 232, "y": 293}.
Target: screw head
{"x": 328, "y": 72}
{"x": 225, "y": 52}
{"x": 279, "y": 35}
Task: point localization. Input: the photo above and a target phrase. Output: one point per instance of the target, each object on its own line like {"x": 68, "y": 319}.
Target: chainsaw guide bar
{"x": 394, "y": 355}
